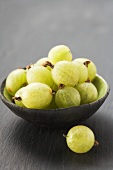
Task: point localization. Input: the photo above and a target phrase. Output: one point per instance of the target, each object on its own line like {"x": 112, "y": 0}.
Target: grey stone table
{"x": 28, "y": 30}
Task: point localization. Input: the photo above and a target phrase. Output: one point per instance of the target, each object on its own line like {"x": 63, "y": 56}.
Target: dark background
{"x": 28, "y": 30}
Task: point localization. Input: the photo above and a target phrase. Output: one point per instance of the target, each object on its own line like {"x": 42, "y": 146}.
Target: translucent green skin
{"x": 52, "y": 105}
{"x": 91, "y": 68}
{"x": 41, "y": 61}
{"x": 59, "y": 53}
{"x": 88, "y": 92}
{"x": 65, "y": 72}
{"x": 67, "y": 97}
{"x": 40, "y": 74}
{"x": 80, "y": 139}
{"x": 15, "y": 80}
{"x": 55, "y": 87}
{"x": 37, "y": 96}
{"x": 83, "y": 76}
{"x": 7, "y": 95}
{"x": 18, "y": 94}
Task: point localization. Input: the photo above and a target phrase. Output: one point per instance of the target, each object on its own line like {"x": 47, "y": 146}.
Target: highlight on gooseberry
{"x": 36, "y": 96}
{"x": 59, "y": 53}
{"x": 40, "y": 74}
{"x": 92, "y": 70}
{"x": 67, "y": 97}
{"x": 15, "y": 80}
{"x": 87, "y": 91}
{"x": 65, "y": 72}
{"x": 17, "y": 98}
{"x": 83, "y": 76}
{"x": 80, "y": 139}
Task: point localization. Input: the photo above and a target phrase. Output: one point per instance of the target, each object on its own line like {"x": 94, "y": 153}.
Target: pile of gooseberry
{"x": 56, "y": 81}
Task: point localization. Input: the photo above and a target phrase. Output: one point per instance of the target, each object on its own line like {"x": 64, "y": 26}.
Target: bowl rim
{"x": 62, "y": 109}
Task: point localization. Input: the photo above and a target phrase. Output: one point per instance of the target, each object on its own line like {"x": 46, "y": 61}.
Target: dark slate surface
{"x": 28, "y": 30}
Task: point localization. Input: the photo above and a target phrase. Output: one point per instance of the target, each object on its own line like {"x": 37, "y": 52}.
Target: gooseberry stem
{"x": 64, "y": 135}
{"x": 86, "y": 63}
{"x": 17, "y": 98}
{"x": 96, "y": 143}
{"x": 29, "y": 66}
{"x": 47, "y": 63}
{"x": 53, "y": 92}
{"x": 88, "y": 80}
{"x": 61, "y": 86}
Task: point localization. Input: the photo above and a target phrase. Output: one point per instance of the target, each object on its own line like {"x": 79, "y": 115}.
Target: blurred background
{"x": 29, "y": 29}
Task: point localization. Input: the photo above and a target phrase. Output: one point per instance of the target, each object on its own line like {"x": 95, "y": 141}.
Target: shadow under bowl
{"x": 61, "y": 117}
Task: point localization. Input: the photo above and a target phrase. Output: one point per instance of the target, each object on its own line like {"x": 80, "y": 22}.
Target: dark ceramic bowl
{"x": 60, "y": 117}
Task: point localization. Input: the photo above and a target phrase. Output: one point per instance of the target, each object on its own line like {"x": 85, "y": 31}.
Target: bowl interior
{"x": 101, "y": 85}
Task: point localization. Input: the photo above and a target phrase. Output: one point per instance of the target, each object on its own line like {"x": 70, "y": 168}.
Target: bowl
{"x": 63, "y": 116}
